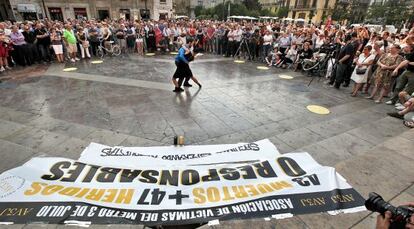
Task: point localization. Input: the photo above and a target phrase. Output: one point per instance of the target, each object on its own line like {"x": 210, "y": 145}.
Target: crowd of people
{"x": 378, "y": 62}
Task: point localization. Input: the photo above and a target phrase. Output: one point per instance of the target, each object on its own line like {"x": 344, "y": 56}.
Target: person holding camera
{"x": 344, "y": 60}
{"x": 384, "y": 221}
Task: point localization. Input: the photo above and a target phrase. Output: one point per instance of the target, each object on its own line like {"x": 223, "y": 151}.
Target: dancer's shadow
{"x": 185, "y": 98}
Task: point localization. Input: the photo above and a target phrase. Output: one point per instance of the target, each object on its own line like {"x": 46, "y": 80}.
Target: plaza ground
{"x": 129, "y": 101}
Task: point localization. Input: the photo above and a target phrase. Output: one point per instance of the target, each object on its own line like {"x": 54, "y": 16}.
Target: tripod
{"x": 244, "y": 43}
{"x": 321, "y": 68}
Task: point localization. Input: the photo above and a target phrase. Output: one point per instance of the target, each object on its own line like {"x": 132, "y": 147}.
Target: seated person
{"x": 291, "y": 55}
{"x": 274, "y": 58}
{"x": 407, "y": 112}
{"x": 305, "y": 53}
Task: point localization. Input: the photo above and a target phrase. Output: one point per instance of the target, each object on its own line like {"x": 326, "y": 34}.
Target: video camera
{"x": 400, "y": 215}
{"x": 328, "y": 48}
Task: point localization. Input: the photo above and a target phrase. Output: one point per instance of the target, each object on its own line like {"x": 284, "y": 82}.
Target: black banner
{"x": 60, "y": 212}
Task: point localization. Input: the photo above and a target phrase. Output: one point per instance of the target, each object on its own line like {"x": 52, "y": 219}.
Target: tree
{"x": 282, "y": 12}
{"x": 391, "y": 12}
{"x": 252, "y": 5}
{"x": 198, "y": 10}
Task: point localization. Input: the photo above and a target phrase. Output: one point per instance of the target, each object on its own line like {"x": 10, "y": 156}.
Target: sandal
{"x": 409, "y": 124}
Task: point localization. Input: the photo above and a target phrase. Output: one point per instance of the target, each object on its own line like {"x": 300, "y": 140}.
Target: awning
{"x": 26, "y": 8}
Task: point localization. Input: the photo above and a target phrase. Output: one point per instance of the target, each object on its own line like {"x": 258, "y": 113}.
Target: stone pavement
{"x": 128, "y": 101}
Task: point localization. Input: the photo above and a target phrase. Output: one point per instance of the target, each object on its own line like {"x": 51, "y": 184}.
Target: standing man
{"x": 345, "y": 58}
{"x": 30, "y": 38}
{"x": 70, "y": 41}
{"x": 43, "y": 42}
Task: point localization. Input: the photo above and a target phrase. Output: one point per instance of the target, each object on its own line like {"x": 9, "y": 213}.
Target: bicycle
{"x": 114, "y": 49}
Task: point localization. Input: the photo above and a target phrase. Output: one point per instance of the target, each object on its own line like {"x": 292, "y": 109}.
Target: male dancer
{"x": 183, "y": 70}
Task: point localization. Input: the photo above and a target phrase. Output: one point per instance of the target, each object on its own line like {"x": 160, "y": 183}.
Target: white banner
{"x": 172, "y": 155}
{"x": 57, "y": 189}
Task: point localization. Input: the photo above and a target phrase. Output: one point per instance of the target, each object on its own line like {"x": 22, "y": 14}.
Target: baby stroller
{"x": 317, "y": 65}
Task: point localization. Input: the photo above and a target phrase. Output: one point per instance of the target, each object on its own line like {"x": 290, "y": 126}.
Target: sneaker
{"x": 396, "y": 115}
{"x": 400, "y": 108}
{"x": 8, "y": 68}
{"x": 2, "y": 69}
{"x": 72, "y": 60}
{"x": 77, "y": 58}
{"x": 389, "y": 102}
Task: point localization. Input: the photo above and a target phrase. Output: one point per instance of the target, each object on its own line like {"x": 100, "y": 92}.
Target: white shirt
{"x": 267, "y": 39}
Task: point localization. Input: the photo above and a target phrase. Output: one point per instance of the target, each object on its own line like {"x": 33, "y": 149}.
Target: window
{"x": 200, "y": 2}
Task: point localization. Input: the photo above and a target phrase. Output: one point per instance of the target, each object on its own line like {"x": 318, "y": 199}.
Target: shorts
{"x": 58, "y": 49}
{"x": 72, "y": 48}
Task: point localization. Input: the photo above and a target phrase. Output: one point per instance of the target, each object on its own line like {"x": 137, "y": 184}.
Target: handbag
{"x": 361, "y": 71}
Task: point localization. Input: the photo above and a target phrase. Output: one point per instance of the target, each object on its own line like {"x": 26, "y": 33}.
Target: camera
{"x": 400, "y": 215}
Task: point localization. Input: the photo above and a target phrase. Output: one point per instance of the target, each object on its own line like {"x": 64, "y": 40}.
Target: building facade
{"x": 98, "y": 9}
{"x": 314, "y": 11}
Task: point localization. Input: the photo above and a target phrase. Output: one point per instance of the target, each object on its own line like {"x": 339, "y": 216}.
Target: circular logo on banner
{"x": 70, "y": 69}
{"x": 9, "y": 185}
{"x": 239, "y": 61}
{"x": 262, "y": 67}
{"x": 150, "y": 54}
{"x": 286, "y": 77}
{"x": 318, "y": 109}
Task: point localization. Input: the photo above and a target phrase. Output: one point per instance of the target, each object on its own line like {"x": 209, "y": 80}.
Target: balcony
{"x": 301, "y": 7}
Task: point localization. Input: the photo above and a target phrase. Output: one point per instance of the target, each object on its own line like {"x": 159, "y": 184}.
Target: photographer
{"x": 384, "y": 222}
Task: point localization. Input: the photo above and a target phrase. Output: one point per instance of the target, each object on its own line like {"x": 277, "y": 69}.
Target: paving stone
{"x": 70, "y": 148}
{"x": 299, "y": 137}
{"x": 402, "y": 145}
{"x": 37, "y": 139}
{"x": 329, "y": 128}
{"x": 13, "y": 154}
{"x": 133, "y": 141}
{"x": 62, "y": 127}
{"x": 8, "y": 128}
{"x": 281, "y": 145}
{"x": 378, "y": 131}
{"x": 345, "y": 145}
{"x": 229, "y": 139}
{"x": 106, "y": 137}
{"x": 16, "y": 116}
{"x": 375, "y": 171}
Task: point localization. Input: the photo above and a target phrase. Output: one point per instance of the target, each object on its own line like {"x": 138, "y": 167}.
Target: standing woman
{"x": 151, "y": 44}
{"x": 363, "y": 68}
{"x": 5, "y": 45}
{"x": 383, "y": 78}
{"x": 139, "y": 42}
{"x": 56, "y": 38}
{"x": 83, "y": 43}
{"x": 130, "y": 38}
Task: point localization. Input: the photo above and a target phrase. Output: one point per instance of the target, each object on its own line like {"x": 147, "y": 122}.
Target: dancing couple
{"x": 183, "y": 72}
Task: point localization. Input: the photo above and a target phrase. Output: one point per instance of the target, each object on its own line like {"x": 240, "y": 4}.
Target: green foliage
{"x": 252, "y": 5}
{"x": 391, "y": 12}
{"x": 236, "y": 9}
{"x": 282, "y": 12}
